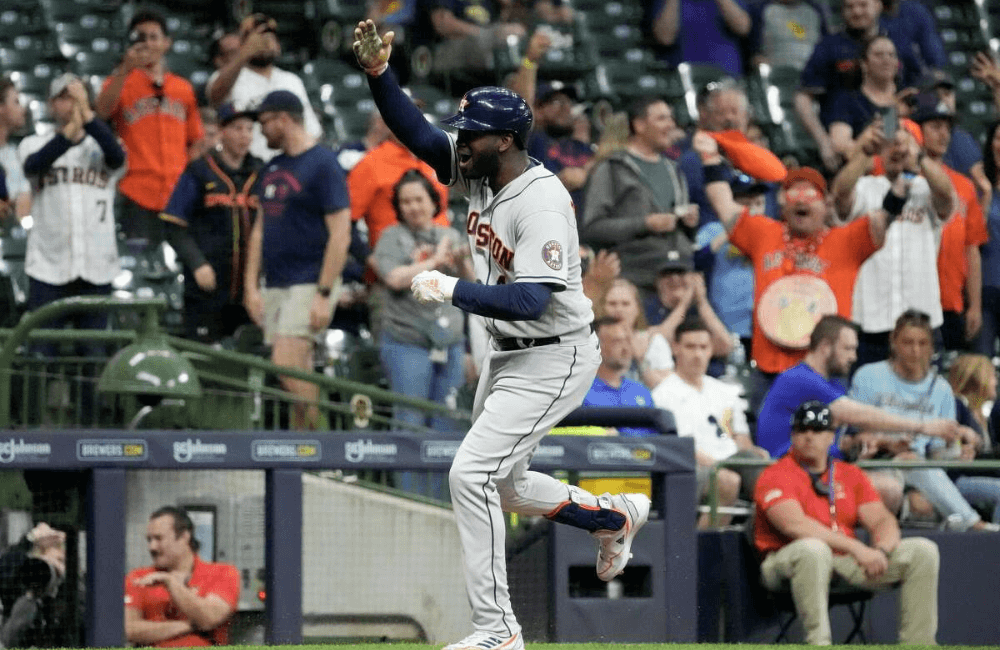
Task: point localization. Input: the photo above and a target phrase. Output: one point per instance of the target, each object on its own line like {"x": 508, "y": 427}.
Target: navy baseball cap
{"x": 546, "y": 90}
{"x": 227, "y": 113}
{"x": 679, "y": 259}
{"x": 936, "y": 78}
{"x": 281, "y": 101}
{"x": 744, "y": 185}
{"x": 928, "y": 106}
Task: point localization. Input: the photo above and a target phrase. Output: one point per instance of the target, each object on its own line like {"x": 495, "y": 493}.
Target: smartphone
{"x": 890, "y": 122}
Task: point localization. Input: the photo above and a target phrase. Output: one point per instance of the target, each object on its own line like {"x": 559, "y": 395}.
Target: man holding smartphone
{"x": 251, "y": 74}
{"x": 156, "y": 115}
{"x": 903, "y": 274}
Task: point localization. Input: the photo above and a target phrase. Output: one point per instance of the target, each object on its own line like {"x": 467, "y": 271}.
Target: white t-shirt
{"x": 705, "y": 415}
{"x": 903, "y": 273}
{"x": 251, "y": 87}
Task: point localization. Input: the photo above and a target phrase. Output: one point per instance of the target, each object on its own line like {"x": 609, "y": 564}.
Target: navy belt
{"x": 516, "y": 343}
{"x": 521, "y": 343}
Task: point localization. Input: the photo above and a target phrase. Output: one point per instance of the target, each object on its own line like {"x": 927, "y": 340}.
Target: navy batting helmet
{"x": 492, "y": 108}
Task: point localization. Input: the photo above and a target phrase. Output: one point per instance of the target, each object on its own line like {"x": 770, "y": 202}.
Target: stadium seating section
{"x": 604, "y": 53}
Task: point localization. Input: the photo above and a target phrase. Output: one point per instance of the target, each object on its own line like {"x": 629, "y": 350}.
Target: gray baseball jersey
{"x": 73, "y": 231}
{"x": 527, "y": 233}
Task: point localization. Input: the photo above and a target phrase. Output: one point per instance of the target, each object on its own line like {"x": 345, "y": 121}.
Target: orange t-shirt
{"x": 157, "y": 125}
{"x": 965, "y": 228}
{"x": 836, "y": 260}
{"x": 154, "y": 602}
{"x": 371, "y": 182}
{"x": 786, "y": 479}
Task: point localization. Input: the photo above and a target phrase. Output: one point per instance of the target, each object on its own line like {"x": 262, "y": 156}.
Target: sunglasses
{"x": 803, "y": 195}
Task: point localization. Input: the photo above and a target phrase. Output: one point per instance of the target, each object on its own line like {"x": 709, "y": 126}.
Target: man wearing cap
{"x": 807, "y": 506}
{"x": 251, "y": 74}
{"x": 681, "y": 294}
{"x": 208, "y": 222}
{"x": 156, "y": 115}
{"x": 802, "y": 268}
{"x": 298, "y": 244}
{"x": 553, "y": 142}
{"x": 964, "y": 153}
{"x": 72, "y": 249}
{"x": 959, "y": 263}
{"x": 636, "y": 198}
{"x": 903, "y": 274}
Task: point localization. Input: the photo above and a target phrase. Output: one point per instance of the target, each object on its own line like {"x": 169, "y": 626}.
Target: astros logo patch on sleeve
{"x": 552, "y": 255}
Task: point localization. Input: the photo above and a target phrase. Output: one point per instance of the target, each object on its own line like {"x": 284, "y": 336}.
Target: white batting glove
{"x": 433, "y": 286}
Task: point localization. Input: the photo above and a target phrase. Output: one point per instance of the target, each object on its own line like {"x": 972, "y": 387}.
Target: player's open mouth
{"x": 801, "y": 211}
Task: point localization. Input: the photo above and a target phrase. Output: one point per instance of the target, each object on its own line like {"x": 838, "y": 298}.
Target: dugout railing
{"x": 241, "y": 389}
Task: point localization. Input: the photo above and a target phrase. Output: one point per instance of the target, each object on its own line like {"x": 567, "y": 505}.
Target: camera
{"x": 135, "y": 37}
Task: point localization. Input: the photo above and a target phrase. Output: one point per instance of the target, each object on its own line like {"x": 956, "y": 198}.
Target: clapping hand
{"x": 371, "y": 50}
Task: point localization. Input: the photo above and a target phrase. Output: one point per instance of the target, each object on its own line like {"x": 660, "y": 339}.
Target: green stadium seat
{"x": 35, "y": 80}
{"x": 14, "y": 23}
{"x": 614, "y": 39}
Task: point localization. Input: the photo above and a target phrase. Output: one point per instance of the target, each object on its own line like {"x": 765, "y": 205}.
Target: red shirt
{"x": 371, "y": 182}
{"x": 786, "y": 479}
{"x": 837, "y": 259}
{"x": 965, "y": 228}
{"x": 154, "y": 602}
{"x": 157, "y": 125}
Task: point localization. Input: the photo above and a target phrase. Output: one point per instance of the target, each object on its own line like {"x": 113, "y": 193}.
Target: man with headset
{"x": 807, "y": 506}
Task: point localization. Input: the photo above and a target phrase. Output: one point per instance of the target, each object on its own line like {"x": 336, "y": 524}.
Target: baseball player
{"x": 71, "y": 246}
{"x": 544, "y": 354}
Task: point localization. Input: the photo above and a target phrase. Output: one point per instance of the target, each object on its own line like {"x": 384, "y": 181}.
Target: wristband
{"x": 893, "y": 204}
{"x": 528, "y": 64}
{"x": 716, "y": 173}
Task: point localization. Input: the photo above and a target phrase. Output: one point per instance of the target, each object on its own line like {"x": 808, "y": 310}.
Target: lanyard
{"x": 831, "y": 494}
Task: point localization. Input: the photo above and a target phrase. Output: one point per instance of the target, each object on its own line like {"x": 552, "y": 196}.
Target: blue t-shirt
{"x": 854, "y": 109}
{"x": 914, "y": 24}
{"x": 703, "y": 36}
{"x": 833, "y": 68}
{"x": 557, "y": 154}
{"x": 296, "y": 193}
{"x": 877, "y": 384}
{"x": 730, "y": 285}
{"x": 991, "y": 249}
{"x": 790, "y": 389}
{"x": 963, "y": 151}
{"x": 630, "y": 393}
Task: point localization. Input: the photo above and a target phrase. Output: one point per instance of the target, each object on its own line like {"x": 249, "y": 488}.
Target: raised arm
{"x": 666, "y": 24}
{"x": 806, "y": 111}
{"x": 717, "y": 188}
{"x": 405, "y": 120}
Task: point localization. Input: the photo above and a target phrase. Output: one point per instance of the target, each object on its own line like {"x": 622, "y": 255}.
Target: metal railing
{"x": 735, "y": 463}
{"x": 241, "y": 391}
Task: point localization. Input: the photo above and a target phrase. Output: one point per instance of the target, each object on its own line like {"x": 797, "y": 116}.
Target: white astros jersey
{"x": 527, "y": 233}
{"x": 73, "y": 232}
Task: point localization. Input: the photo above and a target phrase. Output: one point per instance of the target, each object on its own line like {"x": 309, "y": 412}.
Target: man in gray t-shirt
{"x": 783, "y": 33}
{"x": 637, "y": 202}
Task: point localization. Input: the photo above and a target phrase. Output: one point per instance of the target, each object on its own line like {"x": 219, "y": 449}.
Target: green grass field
{"x": 588, "y": 646}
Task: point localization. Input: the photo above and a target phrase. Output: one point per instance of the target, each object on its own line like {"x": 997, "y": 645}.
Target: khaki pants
{"x": 809, "y": 565}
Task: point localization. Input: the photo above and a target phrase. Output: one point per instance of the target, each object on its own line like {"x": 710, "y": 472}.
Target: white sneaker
{"x": 615, "y": 545}
{"x": 488, "y": 641}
